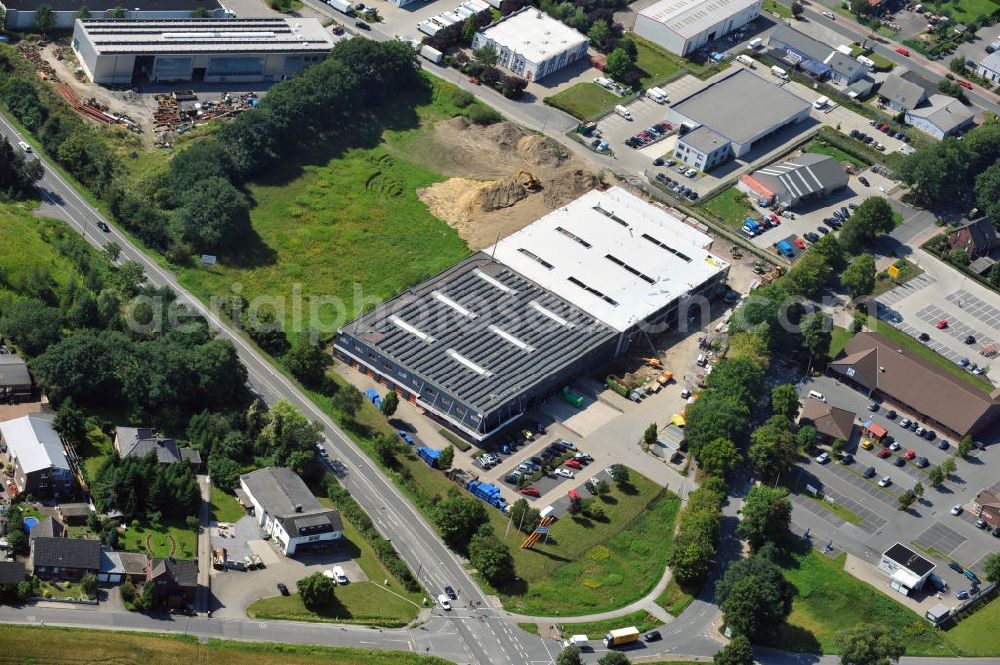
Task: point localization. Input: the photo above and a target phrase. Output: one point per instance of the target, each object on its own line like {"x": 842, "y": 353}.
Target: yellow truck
{"x": 621, "y": 637}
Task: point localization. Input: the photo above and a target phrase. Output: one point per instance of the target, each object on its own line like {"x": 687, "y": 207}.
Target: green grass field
{"x": 34, "y": 255}
{"x": 829, "y": 600}
{"x": 344, "y": 225}
{"x": 774, "y": 7}
{"x": 174, "y": 538}
{"x": 823, "y": 148}
{"x": 595, "y": 630}
{"x": 658, "y": 65}
{"x": 964, "y": 11}
{"x": 584, "y": 100}
{"x": 730, "y": 206}
{"x": 977, "y": 635}
{"x": 359, "y": 602}
{"x": 674, "y": 599}
{"x": 225, "y": 507}
{"x": 907, "y": 271}
{"x": 913, "y": 345}
{"x": 838, "y": 340}
{"x": 65, "y": 646}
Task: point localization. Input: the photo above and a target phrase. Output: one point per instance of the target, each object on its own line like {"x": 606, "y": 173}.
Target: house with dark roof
{"x": 976, "y": 238}
{"x": 15, "y": 380}
{"x": 818, "y": 59}
{"x": 808, "y": 177}
{"x": 288, "y": 511}
{"x": 831, "y": 422}
{"x": 175, "y": 581}
{"x": 141, "y": 441}
{"x": 908, "y": 569}
{"x": 64, "y": 558}
{"x": 12, "y": 572}
{"x": 903, "y": 90}
{"x": 986, "y": 506}
{"x": 49, "y": 527}
{"x": 903, "y": 379}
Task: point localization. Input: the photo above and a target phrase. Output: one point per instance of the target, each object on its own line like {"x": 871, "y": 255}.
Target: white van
{"x": 657, "y": 95}
{"x": 339, "y": 576}
{"x": 817, "y": 395}
{"x": 623, "y": 112}
{"x": 745, "y": 60}
{"x": 23, "y": 145}
{"x": 779, "y": 72}
{"x": 821, "y": 102}
{"x": 755, "y": 44}
{"x": 867, "y": 62}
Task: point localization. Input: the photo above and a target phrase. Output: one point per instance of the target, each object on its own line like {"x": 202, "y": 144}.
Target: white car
{"x": 690, "y": 173}
{"x": 956, "y": 510}
{"x": 565, "y": 473}
{"x": 894, "y": 446}
{"x": 828, "y": 15}
{"x": 884, "y": 481}
{"x": 444, "y": 602}
{"x": 823, "y": 458}
{"x": 339, "y": 576}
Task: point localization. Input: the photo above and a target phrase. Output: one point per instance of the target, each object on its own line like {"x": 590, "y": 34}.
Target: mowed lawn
{"x": 821, "y": 147}
{"x": 173, "y": 538}
{"x": 656, "y": 64}
{"x": 964, "y": 11}
{"x": 584, "y": 100}
{"x": 595, "y": 630}
{"x": 731, "y": 206}
{"x": 34, "y": 256}
{"x": 346, "y": 228}
{"x": 829, "y": 600}
{"x": 225, "y": 507}
{"x": 65, "y": 646}
{"x": 978, "y": 635}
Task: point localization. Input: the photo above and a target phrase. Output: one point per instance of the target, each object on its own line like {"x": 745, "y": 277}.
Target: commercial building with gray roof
{"x": 741, "y": 108}
{"x": 202, "y": 50}
{"x": 20, "y": 14}
{"x": 941, "y": 116}
{"x": 808, "y": 177}
{"x": 288, "y": 512}
{"x": 818, "y": 59}
{"x": 684, "y": 26}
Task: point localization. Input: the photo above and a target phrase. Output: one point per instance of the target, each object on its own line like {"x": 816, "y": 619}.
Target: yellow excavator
{"x": 530, "y": 182}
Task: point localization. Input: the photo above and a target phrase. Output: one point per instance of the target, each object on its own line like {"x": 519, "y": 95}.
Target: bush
{"x": 461, "y": 98}
{"x": 482, "y": 114}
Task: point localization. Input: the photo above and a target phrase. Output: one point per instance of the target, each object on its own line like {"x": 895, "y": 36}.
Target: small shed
{"x": 669, "y": 444}
{"x": 873, "y": 430}
{"x": 73, "y": 513}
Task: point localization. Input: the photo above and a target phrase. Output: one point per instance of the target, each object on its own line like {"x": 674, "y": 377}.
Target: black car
{"x": 996, "y": 532}
{"x": 869, "y": 472}
{"x": 923, "y": 337}
{"x": 362, "y": 25}
{"x": 890, "y": 414}
{"x": 651, "y": 636}
{"x": 846, "y": 459}
{"x": 283, "y": 589}
{"x": 450, "y": 593}
{"x": 970, "y": 339}
{"x": 888, "y": 440}
{"x": 823, "y": 230}
{"x": 658, "y": 161}
{"x": 930, "y": 435}
{"x": 899, "y": 461}
{"x": 661, "y": 177}
{"x": 854, "y": 133}
{"x": 104, "y": 227}
{"x": 922, "y": 462}
{"x": 957, "y": 568}
{"x": 845, "y": 212}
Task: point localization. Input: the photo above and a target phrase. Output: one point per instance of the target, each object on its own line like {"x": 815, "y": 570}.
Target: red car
{"x": 965, "y": 84}
{"x": 882, "y": 454}
{"x": 884, "y": 128}
{"x": 775, "y": 218}
{"x": 800, "y": 243}
{"x": 902, "y": 51}
{"x": 573, "y": 464}
{"x": 530, "y": 491}
{"x": 942, "y": 324}
{"x": 909, "y": 454}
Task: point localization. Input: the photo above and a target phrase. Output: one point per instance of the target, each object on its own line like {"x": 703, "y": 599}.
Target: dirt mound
{"x": 504, "y": 134}
{"x": 540, "y": 151}
{"x": 459, "y": 201}
{"x": 502, "y": 194}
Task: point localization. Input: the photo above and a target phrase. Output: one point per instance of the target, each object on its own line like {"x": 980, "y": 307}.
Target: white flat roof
{"x": 33, "y": 441}
{"x": 534, "y": 35}
{"x": 689, "y": 18}
{"x": 613, "y": 255}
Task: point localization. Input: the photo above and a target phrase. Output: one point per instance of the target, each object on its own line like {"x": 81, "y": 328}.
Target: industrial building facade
{"x": 684, "y": 26}
{"x": 532, "y": 44}
{"x": 20, "y": 14}
{"x": 200, "y": 50}
{"x": 482, "y": 342}
{"x": 808, "y": 177}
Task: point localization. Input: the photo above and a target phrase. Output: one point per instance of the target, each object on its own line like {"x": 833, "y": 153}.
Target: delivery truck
{"x": 432, "y": 54}
{"x": 342, "y": 6}
{"x": 621, "y": 637}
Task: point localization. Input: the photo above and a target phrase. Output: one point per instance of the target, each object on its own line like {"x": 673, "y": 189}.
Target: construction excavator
{"x": 530, "y": 182}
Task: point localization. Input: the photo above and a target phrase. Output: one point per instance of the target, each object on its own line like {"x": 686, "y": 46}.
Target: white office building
{"x": 532, "y": 44}
{"x": 684, "y": 26}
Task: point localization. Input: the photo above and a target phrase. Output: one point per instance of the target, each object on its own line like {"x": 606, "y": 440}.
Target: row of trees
{"x": 142, "y": 488}
{"x": 698, "y": 531}
{"x": 465, "y": 526}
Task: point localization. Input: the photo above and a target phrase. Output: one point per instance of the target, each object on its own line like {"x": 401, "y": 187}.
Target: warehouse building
{"x": 684, "y": 26}
{"x": 941, "y": 116}
{"x": 532, "y": 44}
{"x": 989, "y": 67}
{"x": 482, "y": 342}
{"x": 818, "y": 59}
{"x": 199, "y": 50}
{"x": 714, "y": 122}
{"x": 808, "y": 177}
{"x": 20, "y": 14}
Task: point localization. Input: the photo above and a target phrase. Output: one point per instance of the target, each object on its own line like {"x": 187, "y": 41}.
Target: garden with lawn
{"x": 172, "y": 538}
{"x": 585, "y": 100}
{"x": 225, "y": 507}
{"x": 822, "y": 147}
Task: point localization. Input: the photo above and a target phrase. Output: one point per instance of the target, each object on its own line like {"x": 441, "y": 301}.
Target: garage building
{"x": 482, "y": 342}
{"x": 727, "y": 118}
{"x": 15, "y": 379}
{"x": 684, "y": 26}
{"x": 199, "y": 50}
{"x": 288, "y": 512}
{"x": 532, "y": 44}
{"x": 808, "y": 177}
{"x": 909, "y": 571}
{"x": 20, "y": 14}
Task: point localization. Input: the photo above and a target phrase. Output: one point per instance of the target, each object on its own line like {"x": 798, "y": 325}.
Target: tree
{"x": 487, "y": 56}
{"x": 859, "y": 7}
{"x": 797, "y": 9}
{"x": 599, "y": 33}
{"x": 458, "y": 518}
{"x": 618, "y": 64}
{"x": 389, "y": 404}
{"x": 806, "y": 438}
{"x": 838, "y": 446}
{"x": 469, "y": 29}
{"x": 935, "y": 476}
{"x": 523, "y": 516}
{"x": 859, "y": 278}
{"x": 987, "y": 192}
{"x": 714, "y": 416}
{"x": 70, "y": 422}
{"x": 719, "y": 457}
{"x": 906, "y": 499}
{"x": 958, "y": 257}
{"x": 45, "y": 19}
{"x": 372, "y": 15}
{"x": 491, "y": 558}
{"x": 957, "y": 65}
{"x": 115, "y": 12}
{"x": 613, "y": 658}
{"x": 737, "y": 652}
{"x": 146, "y": 598}
{"x": 446, "y": 458}
{"x": 773, "y": 447}
{"x": 949, "y": 466}
{"x": 620, "y": 474}
{"x": 872, "y": 217}
{"x": 347, "y": 400}
{"x": 995, "y": 275}
{"x": 918, "y": 489}
{"x": 316, "y": 590}
{"x": 31, "y": 325}
{"x": 18, "y": 174}
{"x": 952, "y": 89}
{"x": 871, "y": 644}
{"x": 650, "y": 435}
{"x": 213, "y": 216}
{"x": 569, "y": 656}
{"x": 965, "y": 447}
{"x": 991, "y": 567}
{"x": 385, "y": 449}
{"x": 816, "y": 334}
{"x": 754, "y": 596}
{"x": 88, "y": 584}
{"x": 602, "y": 487}
{"x": 201, "y": 12}
{"x": 765, "y": 517}
{"x": 785, "y": 401}
{"x": 307, "y": 361}
{"x": 83, "y": 12}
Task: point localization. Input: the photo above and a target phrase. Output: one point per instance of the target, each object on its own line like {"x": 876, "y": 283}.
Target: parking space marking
{"x": 799, "y": 501}
{"x": 906, "y": 289}
{"x": 940, "y": 537}
{"x": 870, "y": 521}
{"x": 886, "y": 495}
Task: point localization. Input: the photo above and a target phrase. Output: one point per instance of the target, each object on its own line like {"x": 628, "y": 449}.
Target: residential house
{"x": 288, "y": 512}
{"x": 820, "y": 60}
{"x": 175, "y": 581}
{"x": 49, "y": 527}
{"x": 116, "y": 567}
{"x": 986, "y": 506}
{"x": 831, "y": 422}
{"x": 976, "y": 238}
{"x": 40, "y": 465}
{"x": 903, "y": 90}
{"x": 64, "y": 558}
{"x": 15, "y": 380}
{"x": 141, "y": 441}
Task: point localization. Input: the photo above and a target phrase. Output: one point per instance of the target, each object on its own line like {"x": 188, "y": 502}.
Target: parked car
{"x": 894, "y": 446}
{"x": 972, "y": 577}
{"x": 902, "y": 51}
{"x": 573, "y": 464}
{"x": 942, "y": 324}
{"x": 873, "y": 406}
{"x": 955, "y": 510}
{"x": 962, "y": 594}
{"x": 884, "y": 481}
{"x": 910, "y": 454}
{"x": 954, "y": 566}
{"x": 823, "y": 458}
{"x": 891, "y": 414}
{"x": 923, "y": 462}
{"x": 899, "y": 461}
{"x": 800, "y": 243}
{"x": 565, "y": 473}
{"x": 864, "y": 181}
{"x": 965, "y": 84}
{"x": 969, "y": 339}
{"x": 883, "y": 453}
{"x": 930, "y": 434}
{"x": 651, "y": 636}
{"x": 981, "y": 524}
{"x": 530, "y": 491}
{"x": 943, "y": 444}
{"x": 566, "y": 445}
{"x": 924, "y": 337}
{"x": 283, "y": 589}
{"x": 869, "y": 472}
{"x": 362, "y": 25}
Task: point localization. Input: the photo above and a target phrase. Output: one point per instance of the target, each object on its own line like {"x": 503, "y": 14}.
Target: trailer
{"x": 571, "y": 397}
{"x": 432, "y": 54}
{"x": 342, "y": 6}
{"x": 487, "y": 492}
{"x": 429, "y": 455}
{"x": 429, "y": 27}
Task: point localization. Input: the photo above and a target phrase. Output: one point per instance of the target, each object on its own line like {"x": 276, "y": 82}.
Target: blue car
{"x": 962, "y": 594}
{"x": 943, "y": 444}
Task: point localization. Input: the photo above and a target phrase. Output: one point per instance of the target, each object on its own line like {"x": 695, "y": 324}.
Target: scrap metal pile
{"x": 95, "y": 110}
{"x": 180, "y": 110}
{"x": 32, "y": 52}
